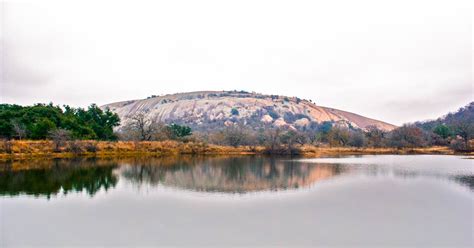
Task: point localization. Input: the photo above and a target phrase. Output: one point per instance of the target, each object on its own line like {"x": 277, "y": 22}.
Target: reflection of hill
{"x": 241, "y": 174}
{"x": 68, "y": 175}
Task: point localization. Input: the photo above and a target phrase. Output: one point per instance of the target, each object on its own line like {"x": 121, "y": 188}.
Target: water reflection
{"x": 47, "y": 178}
{"x": 467, "y": 180}
{"x": 230, "y": 175}
{"x": 207, "y": 174}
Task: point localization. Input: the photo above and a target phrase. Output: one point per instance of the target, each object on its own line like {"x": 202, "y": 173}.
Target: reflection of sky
{"x": 250, "y": 176}
{"x": 354, "y": 208}
{"x": 455, "y": 168}
{"x": 350, "y": 210}
{"x": 409, "y": 169}
{"x": 422, "y": 164}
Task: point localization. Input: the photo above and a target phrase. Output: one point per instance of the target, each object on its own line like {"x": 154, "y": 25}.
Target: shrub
{"x": 75, "y": 147}
{"x": 7, "y": 146}
{"x": 459, "y": 145}
{"x": 59, "y": 137}
{"x": 407, "y": 136}
{"x": 234, "y": 111}
{"x": 91, "y": 147}
{"x": 178, "y": 131}
{"x": 357, "y": 139}
{"x": 271, "y": 112}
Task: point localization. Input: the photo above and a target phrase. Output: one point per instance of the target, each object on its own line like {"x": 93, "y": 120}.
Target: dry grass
{"x": 18, "y": 149}
{"x": 21, "y": 149}
{"x": 329, "y": 151}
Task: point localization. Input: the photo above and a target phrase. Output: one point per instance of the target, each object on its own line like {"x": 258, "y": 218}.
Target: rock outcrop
{"x": 208, "y": 110}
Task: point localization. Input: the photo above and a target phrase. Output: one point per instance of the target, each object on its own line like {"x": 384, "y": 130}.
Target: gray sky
{"x": 397, "y": 61}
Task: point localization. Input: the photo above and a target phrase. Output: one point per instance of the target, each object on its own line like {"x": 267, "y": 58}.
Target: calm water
{"x": 245, "y": 201}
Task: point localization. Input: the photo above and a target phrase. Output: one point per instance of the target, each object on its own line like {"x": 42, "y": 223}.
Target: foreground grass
{"x": 28, "y": 149}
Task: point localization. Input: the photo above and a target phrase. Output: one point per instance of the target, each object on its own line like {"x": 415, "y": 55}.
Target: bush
{"x": 459, "y": 145}
{"x": 91, "y": 147}
{"x": 235, "y": 136}
{"x": 407, "y": 136}
{"x": 75, "y": 147}
{"x": 59, "y": 137}
{"x": 7, "y": 146}
{"x": 234, "y": 111}
{"x": 357, "y": 139}
{"x": 271, "y": 112}
{"x": 178, "y": 131}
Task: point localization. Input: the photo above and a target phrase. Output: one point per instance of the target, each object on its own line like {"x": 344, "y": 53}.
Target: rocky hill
{"x": 209, "y": 110}
{"x": 462, "y": 115}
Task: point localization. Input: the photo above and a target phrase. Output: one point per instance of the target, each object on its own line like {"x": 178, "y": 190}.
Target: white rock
{"x": 280, "y": 122}
{"x": 266, "y": 119}
{"x": 302, "y": 122}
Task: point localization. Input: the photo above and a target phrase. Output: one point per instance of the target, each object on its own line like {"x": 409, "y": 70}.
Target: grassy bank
{"x": 17, "y": 149}
{"x": 44, "y": 148}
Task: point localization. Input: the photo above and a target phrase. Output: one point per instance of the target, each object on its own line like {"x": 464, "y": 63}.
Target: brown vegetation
{"x": 17, "y": 149}
{"x": 26, "y": 149}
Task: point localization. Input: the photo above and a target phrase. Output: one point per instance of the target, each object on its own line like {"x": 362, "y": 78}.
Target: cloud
{"x": 431, "y": 105}
{"x": 20, "y": 80}
{"x": 396, "y": 62}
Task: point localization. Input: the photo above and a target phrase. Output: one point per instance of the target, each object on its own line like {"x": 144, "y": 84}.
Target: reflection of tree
{"x": 235, "y": 174}
{"x": 68, "y": 175}
{"x": 466, "y": 180}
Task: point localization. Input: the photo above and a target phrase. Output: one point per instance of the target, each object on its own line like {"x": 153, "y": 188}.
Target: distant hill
{"x": 210, "y": 110}
{"x": 462, "y": 115}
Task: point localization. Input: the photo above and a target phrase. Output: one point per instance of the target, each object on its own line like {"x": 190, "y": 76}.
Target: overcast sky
{"x": 397, "y": 61}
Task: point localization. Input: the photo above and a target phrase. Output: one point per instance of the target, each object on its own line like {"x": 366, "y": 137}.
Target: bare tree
{"x": 338, "y": 136}
{"x": 465, "y": 130}
{"x": 59, "y": 137}
{"x": 290, "y": 138}
{"x": 312, "y": 136}
{"x": 272, "y": 139}
{"x": 375, "y": 136}
{"x": 357, "y": 139}
{"x": 407, "y": 136}
{"x": 19, "y": 130}
{"x": 235, "y": 136}
{"x": 141, "y": 127}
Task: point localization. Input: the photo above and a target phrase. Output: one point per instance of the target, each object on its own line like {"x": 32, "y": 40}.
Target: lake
{"x": 396, "y": 200}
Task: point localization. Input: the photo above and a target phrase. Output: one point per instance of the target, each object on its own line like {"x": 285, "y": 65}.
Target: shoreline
{"x": 43, "y": 149}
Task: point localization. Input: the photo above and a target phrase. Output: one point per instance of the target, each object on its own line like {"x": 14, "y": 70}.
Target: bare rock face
{"x": 280, "y": 122}
{"x": 267, "y": 119}
{"x": 303, "y": 122}
{"x": 210, "y": 110}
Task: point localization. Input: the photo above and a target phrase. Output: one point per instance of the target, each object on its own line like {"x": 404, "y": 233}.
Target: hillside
{"x": 208, "y": 110}
{"x": 462, "y": 115}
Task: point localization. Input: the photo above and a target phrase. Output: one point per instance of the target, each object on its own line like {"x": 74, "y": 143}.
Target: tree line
{"x": 287, "y": 140}
{"x": 44, "y": 121}
{"x": 59, "y": 124}
{"x": 48, "y": 121}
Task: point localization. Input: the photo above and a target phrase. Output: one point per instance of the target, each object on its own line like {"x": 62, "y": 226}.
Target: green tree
{"x": 234, "y": 111}
{"x": 41, "y": 128}
{"x": 443, "y": 131}
{"x": 178, "y": 131}
{"x": 35, "y": 122}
